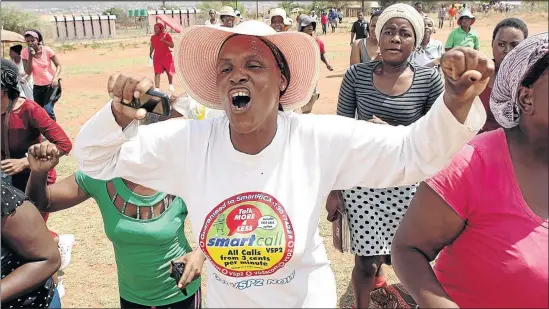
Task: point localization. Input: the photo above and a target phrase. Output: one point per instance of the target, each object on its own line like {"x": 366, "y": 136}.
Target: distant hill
{"x": 96, "y": 7}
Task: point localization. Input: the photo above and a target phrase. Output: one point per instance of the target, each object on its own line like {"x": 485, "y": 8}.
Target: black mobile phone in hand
{"x": 177, "y": 271}
{"x": 158, "y": 103}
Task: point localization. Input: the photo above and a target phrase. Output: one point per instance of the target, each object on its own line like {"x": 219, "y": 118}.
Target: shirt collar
{"x": 471, "y": 31}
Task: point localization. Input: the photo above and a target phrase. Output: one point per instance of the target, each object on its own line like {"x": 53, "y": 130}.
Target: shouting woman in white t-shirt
{"x": 255, "y": 180}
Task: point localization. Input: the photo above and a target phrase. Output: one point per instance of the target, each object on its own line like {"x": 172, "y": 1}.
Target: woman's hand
{"x": 43, "y": 157}
{"x": 194, "y": 262}
{"x": 466, "y": 74}
{"x": 123, "y": 89}
{"x": 376, "y": 120}
{"x": 14, "y": 166}
{"x": 329, "y": 67}
{"x": 55, "y": 82}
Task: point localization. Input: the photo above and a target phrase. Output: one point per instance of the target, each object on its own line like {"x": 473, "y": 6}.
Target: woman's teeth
{"x": 240, "y": 94}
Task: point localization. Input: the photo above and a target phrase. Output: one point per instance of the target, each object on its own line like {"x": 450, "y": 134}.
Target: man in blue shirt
{"x": 332, "y": 18}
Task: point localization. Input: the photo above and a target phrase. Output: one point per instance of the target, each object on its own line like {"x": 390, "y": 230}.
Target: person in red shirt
{"x": 324, "y": 22}
{"x": 452, "y": 12}
{"x": 23, "y": 124}
{"x": 161, "y": 42}
{"x": 308, "y": 25}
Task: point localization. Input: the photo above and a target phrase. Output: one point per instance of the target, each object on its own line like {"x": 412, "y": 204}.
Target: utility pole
{"x": 163, "y": 4}
{"x": 256, "y": 9}
{"x": 362, "y": 5}
{"x": 236, "y": 4}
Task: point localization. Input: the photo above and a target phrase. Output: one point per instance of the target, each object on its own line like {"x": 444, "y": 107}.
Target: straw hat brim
{"x": 197, "y": 49}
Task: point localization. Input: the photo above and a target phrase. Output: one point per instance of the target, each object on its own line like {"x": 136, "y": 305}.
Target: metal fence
{"x": 82, "y": 27}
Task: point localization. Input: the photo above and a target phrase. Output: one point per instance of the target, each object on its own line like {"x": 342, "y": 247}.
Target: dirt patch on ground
{"x": 91, "y": 280}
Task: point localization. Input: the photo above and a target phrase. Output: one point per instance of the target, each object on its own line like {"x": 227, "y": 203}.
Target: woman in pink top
{"x": 486, "y": 213}
{"x": 37, "y": 60}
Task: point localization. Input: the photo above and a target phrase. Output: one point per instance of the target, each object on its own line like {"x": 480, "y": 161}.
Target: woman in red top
{"x": 161, "y": 42}
{"x": 24, "y": 121}
{"x": 508, "y": 33}
{"x": 324, "y": 22}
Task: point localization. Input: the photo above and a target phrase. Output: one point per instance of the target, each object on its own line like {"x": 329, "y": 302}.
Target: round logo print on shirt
{"x": 248, "y": 234}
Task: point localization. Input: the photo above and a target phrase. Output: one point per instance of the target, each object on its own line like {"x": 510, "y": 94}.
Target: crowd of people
{"x": 435, "y": 153}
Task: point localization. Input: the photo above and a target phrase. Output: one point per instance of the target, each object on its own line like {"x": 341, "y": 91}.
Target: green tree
{"x": 288, "y": 6}
{"x": 17, "y": 20}
{"x": 239, "y": 6}
{"x": 205, "y": 6}
{"x": 121, "y": 14}
{"x": 385, "y": 3}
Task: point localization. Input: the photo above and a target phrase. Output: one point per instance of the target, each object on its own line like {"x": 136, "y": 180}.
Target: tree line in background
{"x": 17, "y": 20}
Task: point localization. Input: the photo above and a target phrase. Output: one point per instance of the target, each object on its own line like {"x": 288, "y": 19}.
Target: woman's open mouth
{"x": 240, "y": 100}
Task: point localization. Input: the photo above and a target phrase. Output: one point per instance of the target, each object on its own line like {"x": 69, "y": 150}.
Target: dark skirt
{"x": 191, "y": 302}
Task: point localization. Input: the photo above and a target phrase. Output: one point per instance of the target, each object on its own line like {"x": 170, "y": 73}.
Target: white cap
{"x": 277, "y": 12}
{"x": 228, "y": 11}
{"x": 288, "y": 21}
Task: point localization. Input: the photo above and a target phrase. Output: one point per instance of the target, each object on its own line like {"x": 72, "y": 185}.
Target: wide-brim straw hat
{"x": 197, "y": 49}
{"x": 466, "y": 13}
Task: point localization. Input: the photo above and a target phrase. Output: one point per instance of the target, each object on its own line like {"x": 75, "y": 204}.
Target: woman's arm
{"x": 381, "y": 156}
{"x": 33, "y": 244}
{"x": 50, "y": 129}
{"x": 355, "y": 52}
{"x": 145, "y": 154}
{"x": 27, "y": 57}
{"x": 323, "y": 58}
{"x": 418, "y": 241}
{"x": 167, "y": 39}
{"x": 58, "y": 68}
{"x": 58, "y": 196}
{"x": 151, "y": 50}
{"x": 450, "y": 199}
{"x": 346, "y": 102}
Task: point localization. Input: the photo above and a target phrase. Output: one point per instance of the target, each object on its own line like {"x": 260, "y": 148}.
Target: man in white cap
{"x": 227, "y": 16}
{"x": 464, "y": 35}
{"x": 213, "y": 18}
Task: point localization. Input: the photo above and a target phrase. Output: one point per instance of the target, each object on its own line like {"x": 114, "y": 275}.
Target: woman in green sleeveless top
{"x": 146, "y": 228}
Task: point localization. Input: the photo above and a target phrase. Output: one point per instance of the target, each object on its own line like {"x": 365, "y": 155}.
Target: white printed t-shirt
{"x": 256, "y": 216}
